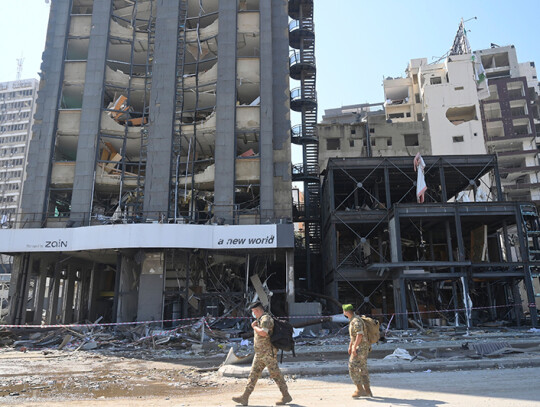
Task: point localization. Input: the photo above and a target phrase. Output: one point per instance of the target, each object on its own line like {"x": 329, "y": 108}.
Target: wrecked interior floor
{"x": 119, "y": 368}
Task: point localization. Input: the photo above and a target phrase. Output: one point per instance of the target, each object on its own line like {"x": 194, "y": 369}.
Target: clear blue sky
{"x": 22, "y": 32}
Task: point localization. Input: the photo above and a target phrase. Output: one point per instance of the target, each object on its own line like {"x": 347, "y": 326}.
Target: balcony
{"x": 518, "y": 108}
{"x": 515, "y": 90}
{"x": 492, "y": 111}
{"x": 521, "y": 127}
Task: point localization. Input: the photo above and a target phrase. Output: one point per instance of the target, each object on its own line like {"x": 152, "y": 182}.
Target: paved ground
{"x": 119, "y": 376}
{"x": 490, "y": 388}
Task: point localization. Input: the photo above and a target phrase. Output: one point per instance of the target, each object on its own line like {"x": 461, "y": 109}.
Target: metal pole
{"x": 176, "y": 189}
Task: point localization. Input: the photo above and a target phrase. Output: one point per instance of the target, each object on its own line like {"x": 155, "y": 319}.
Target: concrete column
{"x": 83, "y": 184}
{"x": 54, "y": 290}
{"x": 69, "y": 291}
{"x": 25, "y": 287}
{"x": 14, "y": 288}
{"x": 281, "y": 109}
{"x": 18, "y": 289}
{"x": 40, "y": 291}
{"x": 82, "y": 297}
{"x": 150, "y": 301}
{"x": 93, "y": 288}
{"x": 289, "y": 266}
{"x": 128, "y": 294}
{"x": 225, "y": 147}
{"x": 34, "y": 195}
{"x": 161, "y": 119}
{"x": 267, "y": 112}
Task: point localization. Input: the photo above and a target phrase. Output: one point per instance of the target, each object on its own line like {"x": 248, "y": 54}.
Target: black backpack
{"x": 282, "y": 335}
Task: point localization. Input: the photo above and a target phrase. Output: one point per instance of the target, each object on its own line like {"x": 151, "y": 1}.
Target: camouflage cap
{"x": 348, "y": 307}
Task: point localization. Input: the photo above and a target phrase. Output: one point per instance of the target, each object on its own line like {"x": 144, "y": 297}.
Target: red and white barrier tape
{"x": 105, "y": 324}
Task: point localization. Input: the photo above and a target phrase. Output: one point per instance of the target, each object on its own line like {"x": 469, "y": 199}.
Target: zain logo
{"x": 56, "y": 243}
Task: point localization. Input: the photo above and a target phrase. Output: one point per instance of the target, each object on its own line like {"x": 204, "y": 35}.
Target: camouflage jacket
{"x": 356, "y": 327}
{"x": 262, "y": 343}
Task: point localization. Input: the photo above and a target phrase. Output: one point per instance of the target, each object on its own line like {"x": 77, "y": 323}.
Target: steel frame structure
{"x": 376, "y": 237}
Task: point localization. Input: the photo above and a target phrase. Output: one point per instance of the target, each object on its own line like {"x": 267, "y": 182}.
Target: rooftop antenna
{"x": 20, "y": 62}
{"x": 461, "y": 43}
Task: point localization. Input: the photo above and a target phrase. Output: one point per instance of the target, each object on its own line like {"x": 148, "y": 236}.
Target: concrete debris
{"x": 399, "y": 354}
{"x": 234, "y": 359}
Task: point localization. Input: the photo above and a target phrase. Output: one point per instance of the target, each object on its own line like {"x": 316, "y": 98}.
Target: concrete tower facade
{"x": 159, "y": 172}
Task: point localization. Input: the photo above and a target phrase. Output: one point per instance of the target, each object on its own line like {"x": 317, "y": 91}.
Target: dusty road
{"x": 34, "y": 379}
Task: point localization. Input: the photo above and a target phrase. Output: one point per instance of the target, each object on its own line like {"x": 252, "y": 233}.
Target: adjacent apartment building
{"x": 434, "y": 110}
{"x": 510, "y": 120}
{"x": 159, "y": 178}
{"x": 17, "y": 105}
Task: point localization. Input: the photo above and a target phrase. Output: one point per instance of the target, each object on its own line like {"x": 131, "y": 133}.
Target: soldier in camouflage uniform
{"x": 359, "y": 347}
{"x": 265, "y": 356}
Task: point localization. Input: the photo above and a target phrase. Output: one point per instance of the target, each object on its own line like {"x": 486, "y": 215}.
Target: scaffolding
{"x": 456, "y": 259}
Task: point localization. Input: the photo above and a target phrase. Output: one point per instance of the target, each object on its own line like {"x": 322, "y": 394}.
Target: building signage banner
{"x": 146, "y": 236}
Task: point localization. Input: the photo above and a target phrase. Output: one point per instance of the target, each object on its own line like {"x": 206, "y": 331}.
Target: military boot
{"x": 359, "y": 391}
{"x": 243, "y": 399}
{"x": 368, "y": 390}
{"x": 285, "y": 396}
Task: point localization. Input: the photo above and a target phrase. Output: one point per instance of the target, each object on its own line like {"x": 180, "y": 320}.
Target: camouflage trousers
{"x": 268, "y": 360}
{"x": 358, "y": 365}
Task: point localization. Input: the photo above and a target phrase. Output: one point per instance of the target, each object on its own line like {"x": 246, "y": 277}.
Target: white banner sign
{"x": 146, "y": 236}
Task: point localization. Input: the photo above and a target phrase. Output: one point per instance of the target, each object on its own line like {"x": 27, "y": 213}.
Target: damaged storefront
{"x": 82, "y": 274}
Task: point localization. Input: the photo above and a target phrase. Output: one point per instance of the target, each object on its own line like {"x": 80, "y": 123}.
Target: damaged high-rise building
{"x": 159, "y": 178}
{"x": 511, "y": 120}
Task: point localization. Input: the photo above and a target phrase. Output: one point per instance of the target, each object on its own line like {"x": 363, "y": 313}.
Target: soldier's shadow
{"x": 273, "y": 404}
{"x": 405, "y": 402}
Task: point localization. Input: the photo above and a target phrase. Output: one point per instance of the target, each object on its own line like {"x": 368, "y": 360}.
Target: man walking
{"x": 359, "y": 348}
{"x": 265, "y": 356}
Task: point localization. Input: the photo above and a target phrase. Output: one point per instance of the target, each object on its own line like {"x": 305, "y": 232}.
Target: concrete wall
{"x": 282, "y": 124}
{"x": 225, "y": 147}
{"x": 267, "y": 112}
{"x": 499, "y": 61}
{"x": 150, "y": 301}
{"x": 162, "y": 110}
{"x": 387, "y": 139}
{"x": 457, "y": 90}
